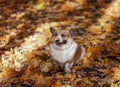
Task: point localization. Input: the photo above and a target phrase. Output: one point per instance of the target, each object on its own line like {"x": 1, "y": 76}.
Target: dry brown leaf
{"x": 7, "y": 74}
{"x": 57, "y": 83}
{"x": 27, "y": 74}
{"x": 88, "y": 62}
{"x": 116, "y": 73}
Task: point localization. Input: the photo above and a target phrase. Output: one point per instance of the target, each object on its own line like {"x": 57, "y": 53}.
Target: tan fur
{"x": 66, "y": 36}
{"x": 65, "y": 54}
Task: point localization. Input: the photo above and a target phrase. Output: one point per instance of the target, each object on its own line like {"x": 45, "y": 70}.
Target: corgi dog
{"x": 64, "y": 50}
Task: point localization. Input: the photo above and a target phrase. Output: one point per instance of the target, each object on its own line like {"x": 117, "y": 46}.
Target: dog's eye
{"x": 55, "y": 34}
{"x": 63, "y": 35}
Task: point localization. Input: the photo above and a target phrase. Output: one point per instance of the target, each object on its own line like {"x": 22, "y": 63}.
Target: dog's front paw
{"x": 67, "y": 68}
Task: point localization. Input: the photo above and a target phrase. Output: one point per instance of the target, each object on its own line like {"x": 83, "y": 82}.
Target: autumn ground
{"x": 24, "y": 35}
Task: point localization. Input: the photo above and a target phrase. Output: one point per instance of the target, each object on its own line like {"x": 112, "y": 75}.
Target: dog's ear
{"x": 72, "y": 32}
{"x": 52, "y": 30}
{"x": 80, "y": 32}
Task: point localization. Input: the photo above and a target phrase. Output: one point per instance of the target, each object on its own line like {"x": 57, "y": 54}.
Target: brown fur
{"x": 65, "y": 50}
{"x": 65, "y": 35}
{"x": 77, "y": 56}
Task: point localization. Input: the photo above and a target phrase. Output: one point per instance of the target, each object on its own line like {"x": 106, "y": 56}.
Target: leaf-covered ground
{"x": 25, "y": 60}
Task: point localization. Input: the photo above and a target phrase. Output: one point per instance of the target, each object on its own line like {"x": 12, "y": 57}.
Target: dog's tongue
{"x": 64, "y": 42}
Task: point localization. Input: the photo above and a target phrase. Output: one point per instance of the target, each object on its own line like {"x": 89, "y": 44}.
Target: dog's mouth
{"x": 60, "y": 43}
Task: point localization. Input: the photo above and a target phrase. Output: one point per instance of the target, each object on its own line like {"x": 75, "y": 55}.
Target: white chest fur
{"x": 63, "y": 55}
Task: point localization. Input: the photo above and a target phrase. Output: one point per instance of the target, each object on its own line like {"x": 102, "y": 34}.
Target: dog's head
{"x": 61, "y": 39}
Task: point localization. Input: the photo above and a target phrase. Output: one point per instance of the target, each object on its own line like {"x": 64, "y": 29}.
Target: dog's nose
{"x": 57, "y": 40}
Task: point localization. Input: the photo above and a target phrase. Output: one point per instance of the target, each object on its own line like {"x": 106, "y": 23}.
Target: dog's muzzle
{"x": 59, "y": 43}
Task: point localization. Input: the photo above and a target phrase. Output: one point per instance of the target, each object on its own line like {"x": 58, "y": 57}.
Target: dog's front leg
{"x": 56, "y": 64}
{"x": 68, "y": 67}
